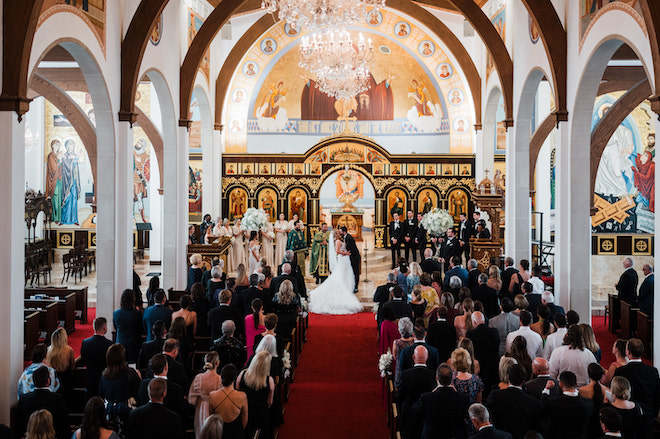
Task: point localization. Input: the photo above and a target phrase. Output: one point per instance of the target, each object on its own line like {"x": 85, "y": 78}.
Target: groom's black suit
{"x": 355, "y": 258}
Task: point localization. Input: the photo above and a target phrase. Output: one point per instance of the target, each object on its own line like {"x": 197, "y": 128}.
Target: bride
{"x": 335, "y": 295}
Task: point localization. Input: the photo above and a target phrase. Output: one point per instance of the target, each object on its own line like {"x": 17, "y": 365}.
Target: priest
{"x": 296, "y": 243}
{"x": 318, "y": 260}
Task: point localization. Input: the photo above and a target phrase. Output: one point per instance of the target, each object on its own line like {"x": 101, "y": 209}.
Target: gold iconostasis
{"x": 291, "y": 184}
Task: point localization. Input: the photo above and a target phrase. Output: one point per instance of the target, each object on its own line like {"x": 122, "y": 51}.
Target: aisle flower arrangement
{"x": 254, "y": 220}
{"x": 385, "y": 363}
{"x": 437, "y": 221}
{"x": 286, "y": 362}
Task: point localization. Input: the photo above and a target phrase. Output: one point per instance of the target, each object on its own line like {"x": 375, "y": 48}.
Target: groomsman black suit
{"x": 627, "y": 286}
{"x": 451, "y": 247}
{"x": 355, "y": 256}
{"x": 409, "y": 235}
{"x": 420, "y": 238}
{"x": 396, "y": 236}
{"x": 465, "y": 231}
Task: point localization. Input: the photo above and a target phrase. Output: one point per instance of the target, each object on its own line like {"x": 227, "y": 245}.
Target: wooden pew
{"x": 645, "y": 332}
{"x": 65, "y": 309}
{"x": 615, "y": 313}
{"x": 173, "y": 296}
{"x": 628, "y": 320}
{"x": 81, "y": 303}
{"x": 47, "y": 315}
{"x": 30, "y": 333}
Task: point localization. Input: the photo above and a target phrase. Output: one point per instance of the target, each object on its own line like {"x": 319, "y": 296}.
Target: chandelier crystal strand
{"x": 321, "y": 15}
{"x": 341, "y": 68}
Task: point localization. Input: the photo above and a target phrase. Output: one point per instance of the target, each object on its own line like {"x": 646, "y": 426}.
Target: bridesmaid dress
{"x": 267, "y": 249}
{"x": 238, "y": 248}
{"x": 280, "y": 241}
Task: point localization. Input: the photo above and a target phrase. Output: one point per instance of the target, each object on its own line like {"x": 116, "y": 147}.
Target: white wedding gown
{"x": 335, "y": 295}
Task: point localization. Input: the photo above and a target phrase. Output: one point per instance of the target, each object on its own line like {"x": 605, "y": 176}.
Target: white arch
{"x": 211, "y": 160}
{"x": 485, "y": 160}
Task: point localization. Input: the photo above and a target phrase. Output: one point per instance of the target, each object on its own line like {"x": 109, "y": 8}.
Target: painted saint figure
{"x": 54, "y": 179}
{"x": 644, "y": 175}
{"x": 70, "y": 184}
{"x": 140, "y": 177}
{"x": 427, "y": 203}
{"x": 418, "y": 92}
{"x": 397, "y": 204}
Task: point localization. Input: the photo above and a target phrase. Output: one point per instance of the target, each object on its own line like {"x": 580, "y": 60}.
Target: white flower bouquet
{"x": 232, "y": 240}
{"x": 437, "y": 221}
{"x": 304, "y": 304}
{"x": 270, "y": 234}
{"x": 385, "y": 363}
{"x": 286, "y": 359}
{"x": 254, "y": 220}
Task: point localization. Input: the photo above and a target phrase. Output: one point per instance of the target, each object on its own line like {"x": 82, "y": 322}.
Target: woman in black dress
{"x": 286, "y": 304}
{"x": 259, "y": 387}
{"x": 195, "y": 271}
{"x": 201, "y": 306}
{"x": 119, "y": 383}
{"x": 230, "y": 404}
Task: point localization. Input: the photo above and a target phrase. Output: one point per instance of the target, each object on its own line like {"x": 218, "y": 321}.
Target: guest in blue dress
{"x": 128, "y": 323}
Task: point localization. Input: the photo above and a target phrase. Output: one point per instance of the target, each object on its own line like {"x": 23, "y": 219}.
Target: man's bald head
{"x": 420, "y": 355}
{"x": 540, "y": 366}
{"x": 477, "y": 318}
{"x": 286, "y": 268}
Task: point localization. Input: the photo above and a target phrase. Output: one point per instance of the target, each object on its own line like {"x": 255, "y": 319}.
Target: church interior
{"x": 138, "y": 133}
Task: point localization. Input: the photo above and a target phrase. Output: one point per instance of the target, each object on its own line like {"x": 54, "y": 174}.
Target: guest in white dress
{"x": 267, "y": 249}
{"x": 238, "y": 247}
{"x": 201, "y": 387}
{"x": 281, "y": 232}
{"x": 254, "y": 252}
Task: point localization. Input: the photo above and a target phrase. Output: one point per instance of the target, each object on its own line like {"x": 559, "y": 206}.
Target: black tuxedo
{"x": 149, "y": 349}
{"x": 381, "y": 297}
{"x": 443, "y": 413}
{"x": 645, "y": 387}
{"x": 225, "y": 312}
{"x": 491, "y": 433}
{"x": 355, "y": 258}
{"x": 627, "y": 286}
{"x": 646, "y": 295}
{"x": 473, "y": 278}
{"x": 420, "y": 241}
{"x": 442, "y": 336}
{"x": 568, "y": 416}
{"x": 487, "y": 296}
{"x": 535, "y": 387}
{"x": 430, "y": 265}
{"x": 514, "y": 411}
{"x": 399, "y": 308}
{"x": 174, "y": 400}
{"x": 92, "y": 355}
{"x": 405, "y": 360}
{"x": 153, "y": 421}
{"x": 507, "y": 274}
{"x": 396, "y": 232}
{"x": 484, "y": 234}
{"x": 414, "y": 382}
{"x": 463, "y": 233}
{"x": 410, "y": 232}
{"x": 43, "y": 399}
{"x": 176, "y": 373}
{"x": 450, "y": 248}
{"x": 486, "y": 343}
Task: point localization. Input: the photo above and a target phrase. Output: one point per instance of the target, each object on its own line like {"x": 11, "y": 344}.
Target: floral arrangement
{"x": 254, "y": 220}
{"x": 437, "y": 221}
{"x": 385, "y": 363}
{"x": 270, "y": 234}
{"x": 286, "y": 362}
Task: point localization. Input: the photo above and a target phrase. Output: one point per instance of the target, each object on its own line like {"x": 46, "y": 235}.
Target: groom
{"x": 355, "y": 255}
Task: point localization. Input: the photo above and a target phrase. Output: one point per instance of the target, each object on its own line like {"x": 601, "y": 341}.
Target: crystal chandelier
{"x": 340, "y": 66}
{"x": 321, "y": 15}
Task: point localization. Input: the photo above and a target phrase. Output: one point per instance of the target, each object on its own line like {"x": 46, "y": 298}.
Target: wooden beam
{"x": 538, "y": 138}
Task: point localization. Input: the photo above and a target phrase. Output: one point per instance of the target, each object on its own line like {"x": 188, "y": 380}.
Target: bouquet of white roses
{"x": 286, "y": 362}
{"x": 254, "y": 220}
{"x": 385, "y": 363}
{"x": 437, "y": 221}
{"x": 270, "y": 234}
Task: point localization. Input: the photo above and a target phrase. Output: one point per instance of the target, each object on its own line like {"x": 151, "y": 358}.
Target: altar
{"x": 351, "y": 220}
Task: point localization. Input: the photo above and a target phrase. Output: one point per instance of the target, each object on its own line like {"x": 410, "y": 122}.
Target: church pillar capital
{"x": 655, "y": 105}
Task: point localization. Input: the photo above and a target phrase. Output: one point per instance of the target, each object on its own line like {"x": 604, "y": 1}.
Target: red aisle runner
{"x": 337, "y": 389}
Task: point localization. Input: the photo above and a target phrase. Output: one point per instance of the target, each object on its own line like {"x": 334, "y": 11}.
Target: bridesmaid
{"x": 238, "y": 247}
{"x": 267, "y": 249}
{"x": 281, "y": 233}
{"x": 254, "y": 257}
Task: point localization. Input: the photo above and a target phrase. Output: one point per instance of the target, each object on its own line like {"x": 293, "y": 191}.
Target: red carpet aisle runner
{"x": 337, "y": 389}
{"x": 605, "y": 340}
{"x": 83, "y": 331}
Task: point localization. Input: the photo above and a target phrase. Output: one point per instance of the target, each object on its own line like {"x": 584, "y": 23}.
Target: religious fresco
{"x": 195, "y": 187}
{"x": 237, "y": 203}
{"x": 141, "y": 178}
{"x": 590, "y": 9}
{"x": 496, "y": 11}
{"x": 427, "y": 200}
{"x": 298, "y": 204}
{"x": 195, "y": 21}
{"x": 625, "y": 180}
{"x": 457, "y": 203}
{"x": 396, "y": 203}
{"x": 267, "y": 200}
{"x": 409, "y": 94}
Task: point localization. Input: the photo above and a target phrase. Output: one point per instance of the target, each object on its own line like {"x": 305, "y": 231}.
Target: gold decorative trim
{"x": 606, "y": 245}
{"x": 641, "y": 246}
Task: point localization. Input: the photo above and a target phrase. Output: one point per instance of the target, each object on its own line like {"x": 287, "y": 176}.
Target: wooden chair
{"x": 628, "y": 320}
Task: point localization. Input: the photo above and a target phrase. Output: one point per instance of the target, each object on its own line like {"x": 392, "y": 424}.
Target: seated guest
{"x": 383, "y": 293}
{"x": 389, "y": 331}
{"x": 175, "y": 398}
{"x": 40, "y": 425}
{"x": 569, "y": 414}
{"x": 286, "y": 275}
{"x": 486, "y": 348}
{"x": 505, "y": 323}
{"x": 286, "y": 304}
{"x": 195, "y": 271}
{"x": 270, "y": 323}
{"x": 42, "y": 398}
{"x": 92, "y": 355}
{"x": 455, "y": 286}
{"x": 572, "y": 318}
{"x": 495, "y": 279}
{"x": 224, "y": 312}
{"x": 230, "y": 403}
{"x": 481, "y": 421}
{"x": 254, "y": 324}
{"x": 118, "y": 384}
{"x": 521, "y": 303}
{"x": 619, "y": 351}
{"x": 414, "y": 382}
{"x": 632, "y": 419}
{"x": 405, "y": 329}
{"x": 413, "y": 277}
{"x": 444, "y": 410}
{"x": 398, "y": 305}
{"x": 447, "y": 299}
{"x": 513, "y": 409}
{"x": 503, "y": 371}
{"x": 201, "y": 306}
{"x": 534, "y": 341}
{"x": 201, "y": 387}
{"x": 61, "y": 358}
{"x": 572, "y": 356}
{"x": 536, "y": 281}
{"x": 556, "y": 339}
{"x": 611, "y": 423}
{"x": 405, "y": 359}
{"x": 229, "y": 348}
{"x": 541, "y": 371}
{"x": 154, "y": 420}
{"x": 178, "y": 332}
{"x": 268, "y": 344}
{"x": 94, "y": 423}
{"x": 547, "y": 298}
{"x": 429, "y": 265}
{"x": 26, "y": 381}
{"x": 213, "y": 428}
{"x": 259, "y": 388}
{"x": 175, "y": 370}
{"x": 402, "y": 275}
{"x": 463, "y": 323}
{"x": 644, "y": 382}
{"x": 127, "y": 321}
{"x": 153, "y": 347}
{"x": 486, "y": 295}
{"x": 442, "y": 335}
{"x": 154, "y": 285}
{"x": 258, "y": 291}
{"x": 160, "y": 311}
{"x": 429, "y": 294}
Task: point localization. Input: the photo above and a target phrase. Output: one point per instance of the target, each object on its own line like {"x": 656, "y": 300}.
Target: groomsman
{"x": 420, "y": 238}
{"x": 464, "y": 233}
{"x": 450, "y": 247}
{"x": 409, "y": 235}
{"x": 396, "y": 236}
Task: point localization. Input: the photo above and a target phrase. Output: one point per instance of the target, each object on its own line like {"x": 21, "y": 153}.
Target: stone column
{"x": 181, "y": 231}
{"x": 656, "y": 264}
{"x": 123, "y": 211}
{"x": 216, "y": 178}
{"x": 12, "y": 202}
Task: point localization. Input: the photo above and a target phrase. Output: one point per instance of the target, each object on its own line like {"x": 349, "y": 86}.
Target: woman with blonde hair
{"x": 201, "y": 388}
{"x": 413, "y": 276}
{"x": 633, "y": 424}
{"x": 590, "y": 340}
{"x": 503, "y": 369}
{"x": 494, "y": 278}
{"x": 195, "y": 271}
{"x": 40, "y": 425}
{"x": 230, "y": 404}
{"x": 242, "y": 278}
{"x": 286, "y": 304}
{"x": 521, "y": 303}
{"x": 463, "y": 323}
{"x": 464, "y": 381}
{"x": 259, "y": 388}
{"x": 60, "y": 357}
{"x": 212, "y": 429}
